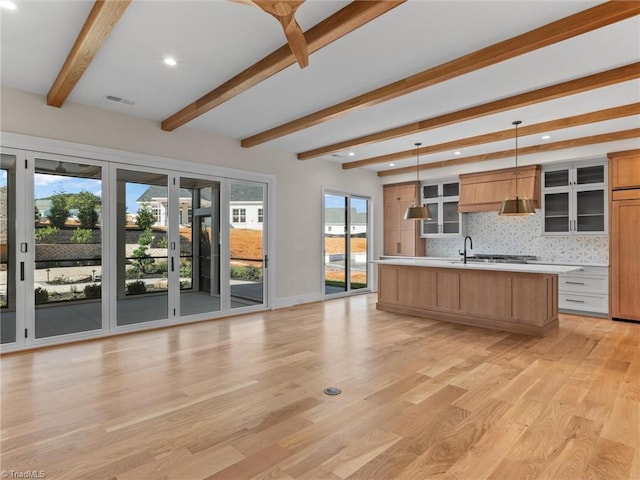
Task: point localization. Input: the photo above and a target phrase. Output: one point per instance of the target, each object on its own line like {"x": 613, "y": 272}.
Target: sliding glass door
{"x": 67, "y": 268}
{"x": 142, "y": 263}
{"x": 247, "y": 258}
{"x": 199, "y": 265}
{"x": 346, "y": 245}
{"x": 89, "y": 247}
{"x": 8, "y": 261}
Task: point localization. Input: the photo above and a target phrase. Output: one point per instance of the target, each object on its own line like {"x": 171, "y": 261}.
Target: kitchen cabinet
{"x": 584, "y": 291}
{"x": 574, "y": 199}
{"x": 442, "y": 199}
{"x": 624, "y": 254}
{"x": 401, "y": 237}
{"x": 485, "y": 191}
{"x": 625, "y": 169}
{"x": 521, "y": 302}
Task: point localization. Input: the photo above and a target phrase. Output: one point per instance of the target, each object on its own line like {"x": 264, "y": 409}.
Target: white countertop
{"x": 500, "y": 267}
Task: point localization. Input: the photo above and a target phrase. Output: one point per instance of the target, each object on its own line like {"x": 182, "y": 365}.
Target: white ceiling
{"x": 214, "y": 40}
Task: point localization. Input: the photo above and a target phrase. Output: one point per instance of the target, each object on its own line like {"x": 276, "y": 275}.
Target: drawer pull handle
{"x": 575, "y": 301}
{"x": 574, "y": 283}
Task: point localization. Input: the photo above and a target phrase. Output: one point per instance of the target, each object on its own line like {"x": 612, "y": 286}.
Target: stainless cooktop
{"x": 500, "y": 258}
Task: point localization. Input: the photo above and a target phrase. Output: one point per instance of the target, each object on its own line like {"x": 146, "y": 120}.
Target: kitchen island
{"x": 519, "y": 298}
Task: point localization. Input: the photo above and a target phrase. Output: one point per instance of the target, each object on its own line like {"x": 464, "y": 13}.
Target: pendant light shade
{"x": 517, "y": 206}
{"x": 417, "y": 211}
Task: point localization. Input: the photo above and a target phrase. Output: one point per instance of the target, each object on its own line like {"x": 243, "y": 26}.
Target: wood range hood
{"x": 485, "y": 191}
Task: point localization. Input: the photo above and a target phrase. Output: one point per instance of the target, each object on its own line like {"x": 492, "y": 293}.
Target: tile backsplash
{"x": 492, "y": 233}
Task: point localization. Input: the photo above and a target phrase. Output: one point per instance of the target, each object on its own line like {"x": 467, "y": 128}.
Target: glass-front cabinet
{"x": 442, "y": 200}
{"x": 575, "y": 199}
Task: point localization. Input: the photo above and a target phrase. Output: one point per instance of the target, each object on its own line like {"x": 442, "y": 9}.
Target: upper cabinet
{"x": 574, "y": 199}
{"x": 485, "y": 191}
{"x": 401, "y": 237}
{"x": 624, "y": 169}
{"x": 442, "y": 200}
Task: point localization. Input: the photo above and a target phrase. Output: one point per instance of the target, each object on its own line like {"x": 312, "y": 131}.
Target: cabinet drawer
{"x": 591, "y": 271}
{"x": 583, "y": 284}
{"x": 585, "y": 303}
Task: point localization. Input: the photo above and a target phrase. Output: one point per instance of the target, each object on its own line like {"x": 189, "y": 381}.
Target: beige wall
{"x": 299, "y": 184}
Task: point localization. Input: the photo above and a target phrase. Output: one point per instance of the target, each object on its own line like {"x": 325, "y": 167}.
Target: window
{"x": 189, "y": 216}
{"x": 239, "y": 215}
{"x": 157, "y": 214}
{"x": 260, "y": 215}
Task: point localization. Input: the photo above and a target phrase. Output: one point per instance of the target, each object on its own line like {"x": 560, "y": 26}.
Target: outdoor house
{"x": 246, "y": 209}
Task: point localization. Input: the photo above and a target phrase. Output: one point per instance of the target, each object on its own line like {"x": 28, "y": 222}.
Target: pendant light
{"x": 417, "y": 211}
{"x": 517, "y": 206}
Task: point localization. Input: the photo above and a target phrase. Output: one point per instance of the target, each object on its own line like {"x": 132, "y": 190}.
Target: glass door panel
{"x": 556, "y": 212}
{"x": 68, "y": 247}
{"x": 587, "y": 175}
{"x": 246, "y": 243}
{"x": 451, "y": 189}
{"x": 199, "y": 246}
{"x": 556, "y": 178}
{"x": 142, "y": 247}
{"x": 450, "y": 217}
{"x": 335, "y": 243}
{"x": 432, "y": 226}
{"x": 358, "y": 239}
{"x": 590, "y": 208}
{"x": 430, "y": 191}
{"x": 8, "y": 281}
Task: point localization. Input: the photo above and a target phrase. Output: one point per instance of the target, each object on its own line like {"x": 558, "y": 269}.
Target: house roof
{"x": 239, "y": 192}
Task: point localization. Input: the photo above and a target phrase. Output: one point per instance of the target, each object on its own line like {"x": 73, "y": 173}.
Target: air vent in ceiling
{"x": 113, "y": 98}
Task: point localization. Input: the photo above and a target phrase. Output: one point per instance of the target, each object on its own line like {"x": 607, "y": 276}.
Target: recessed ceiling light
{"x": 351, "y": 154}
{"x": 546, "y": 137}
{"x": 170, "y": 61}
{"x": 457, "y": 152}
{"x": 392, "y": 164}
{"x": 8, "y": 5}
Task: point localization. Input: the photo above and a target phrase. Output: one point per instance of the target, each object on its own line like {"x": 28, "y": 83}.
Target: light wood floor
{"x": 243, "y": 398}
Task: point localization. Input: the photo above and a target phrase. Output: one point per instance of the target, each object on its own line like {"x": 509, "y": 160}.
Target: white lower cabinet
{"x": 584, "y": 291}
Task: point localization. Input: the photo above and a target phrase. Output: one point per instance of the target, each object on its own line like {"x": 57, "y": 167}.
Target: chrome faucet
{"x": 464, "y": 253}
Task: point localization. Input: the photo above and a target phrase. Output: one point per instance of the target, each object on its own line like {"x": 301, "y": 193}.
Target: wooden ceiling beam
{"x": 344, "y": 21}
{"x": 102, "y": 18}
{"x": 552, "y": 92}
{"x": 563, "y": 29}
{"x": 545, "y": 147}
{"x": 549, "y": 126}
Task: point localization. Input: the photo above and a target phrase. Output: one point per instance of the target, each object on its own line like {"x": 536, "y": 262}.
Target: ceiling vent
{"x": 113, "y": 98}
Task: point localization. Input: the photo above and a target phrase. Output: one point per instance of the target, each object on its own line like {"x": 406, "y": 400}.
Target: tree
{"x": 87, "y": 204}
{"x": 142, "y": 259}
{"x": 59, "y": 211}
{"x": 145, "y": 217}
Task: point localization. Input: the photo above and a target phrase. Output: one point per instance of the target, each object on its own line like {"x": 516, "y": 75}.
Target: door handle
{"x": 22, "y": 271}
{"x": 173, "y": 269}
{"x": 398, "y": 248}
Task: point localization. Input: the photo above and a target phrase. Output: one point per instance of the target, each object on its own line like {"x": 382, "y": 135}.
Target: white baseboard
{"x": 297, "y": 300}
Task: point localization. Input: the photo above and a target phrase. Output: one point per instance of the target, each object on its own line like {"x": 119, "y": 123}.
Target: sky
{"x": 47, "y": 185}
{"x": 337, "y": 201}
